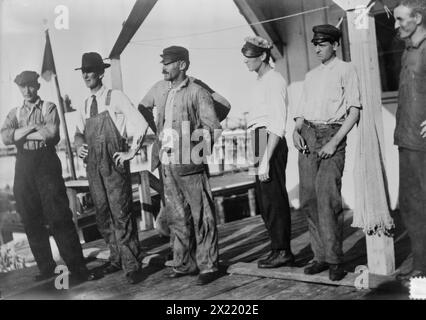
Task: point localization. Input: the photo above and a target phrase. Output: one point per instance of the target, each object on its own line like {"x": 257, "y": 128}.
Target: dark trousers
{"x": 320, "y": 193}
{"x": 41, "y": 200}
{"x": 412, "y": 202}
{"x": 192, "y": 219}
{"x": 272, "y": 196}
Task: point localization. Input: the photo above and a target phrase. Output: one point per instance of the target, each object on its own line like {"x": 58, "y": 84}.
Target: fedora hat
{"x": 92, "y": 61}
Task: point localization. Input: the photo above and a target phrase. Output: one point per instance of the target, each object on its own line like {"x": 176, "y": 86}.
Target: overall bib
{"x": 110, "y": 187}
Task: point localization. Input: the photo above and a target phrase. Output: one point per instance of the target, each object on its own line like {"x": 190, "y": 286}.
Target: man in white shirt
{"x": 267, "y": 120}
{"x": 106, "y": 118}
{"x": 330, "y": 107}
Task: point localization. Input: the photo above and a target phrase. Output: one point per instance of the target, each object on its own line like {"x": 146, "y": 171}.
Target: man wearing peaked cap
{"x": 326, "y": 32}
{"x": 38, "y": 186}
{"x": 184, "y": 107}
{"x": 106, "y": 119}
{"x": 329, "y": 107}
{"x": 267, "y": 123}
{"x": 174, "y": 53}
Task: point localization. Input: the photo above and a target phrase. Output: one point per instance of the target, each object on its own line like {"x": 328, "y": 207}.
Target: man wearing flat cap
{"x": 329, "y": 108}
{"x": 267, "y": 123}
{"x": 106, "y": 119}
{"x": 183, "y": 106}
{"x": 39, "y": 188}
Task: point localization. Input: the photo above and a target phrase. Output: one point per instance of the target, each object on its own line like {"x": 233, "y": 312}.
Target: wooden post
{"x": 116, "y": 75}
{"x": 363, "y": 45}
{"x": 75, "y": 207}
{"x": 252, "y": 201}
{"x": 220, "y": 212}
{"x": 147, "y": 221}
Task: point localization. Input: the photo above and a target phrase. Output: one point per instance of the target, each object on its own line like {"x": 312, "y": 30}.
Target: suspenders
{"x": 107, "y": 100}
{"x": 43, "y": 110}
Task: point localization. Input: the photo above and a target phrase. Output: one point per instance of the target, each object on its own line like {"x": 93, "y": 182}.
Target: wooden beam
{"x": 253, "y": 14}
{"x": 116, "y": 75}
{"x": 140, "y": 11}
{"x": 363, "y": 47}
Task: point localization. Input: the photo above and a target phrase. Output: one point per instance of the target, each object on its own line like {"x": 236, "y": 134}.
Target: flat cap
{"x": 26, "y": 78}
{"x": 326, "y": 32}
{"x": 174, "y": 53}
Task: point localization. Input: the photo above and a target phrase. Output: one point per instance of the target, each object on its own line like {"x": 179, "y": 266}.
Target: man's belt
{"x": 320, "y": 124}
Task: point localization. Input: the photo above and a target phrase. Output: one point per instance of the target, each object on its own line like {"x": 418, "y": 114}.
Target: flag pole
{"x": 61, "y": 112}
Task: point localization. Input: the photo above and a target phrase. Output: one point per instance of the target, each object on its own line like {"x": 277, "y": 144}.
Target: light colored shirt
{"x": 47, "y": 122}
{"x": 126, "y": 117}
{"x": 328, "y": 92}
{"x": 269, "y": 103}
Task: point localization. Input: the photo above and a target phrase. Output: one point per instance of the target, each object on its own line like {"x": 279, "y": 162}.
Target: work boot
{"x": 271, "y": 255}
{"x": 44, "y": 275}
{"x": 111, "y": 268}
{"x": 134, "y": 277}
{"x": 207, "y": 277}
{"x": 282, "y": 258}
{"x": 336, "y": 272}
{"x": 316, "y": 267}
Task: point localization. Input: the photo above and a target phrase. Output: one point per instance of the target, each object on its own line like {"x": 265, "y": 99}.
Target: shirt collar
{"x": 412, "y": 45}
{"x": 184, "y": 83}
{"x": 99, "y": 93}
{"x": 31, "y": 106}
{"x": 330, "y": 65}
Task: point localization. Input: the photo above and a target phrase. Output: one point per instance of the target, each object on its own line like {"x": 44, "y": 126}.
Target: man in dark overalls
{"x": 104, "y": 122}
{"x": 39, "y": 188}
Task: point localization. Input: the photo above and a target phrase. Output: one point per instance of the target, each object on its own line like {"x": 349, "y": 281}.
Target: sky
{"x": 94, "y": 25}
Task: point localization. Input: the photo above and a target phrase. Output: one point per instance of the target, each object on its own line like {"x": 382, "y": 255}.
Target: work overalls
{"x": 110, "y": 187}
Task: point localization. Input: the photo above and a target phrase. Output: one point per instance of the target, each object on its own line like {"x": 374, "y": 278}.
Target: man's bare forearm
{"x": 23, "y": 132}
{"x": 352, "y": 118}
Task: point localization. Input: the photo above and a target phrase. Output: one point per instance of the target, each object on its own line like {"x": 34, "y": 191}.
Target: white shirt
{"x": 126, "y": 117}
{"x": 328, "y": 92}
{"x": 269, "y": 103}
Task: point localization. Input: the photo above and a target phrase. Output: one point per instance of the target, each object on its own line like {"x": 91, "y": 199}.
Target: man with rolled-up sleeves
{"x": 39, "y": 188}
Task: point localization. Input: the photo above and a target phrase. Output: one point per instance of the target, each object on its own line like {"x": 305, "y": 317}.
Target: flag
{"x": 48, "y": 67}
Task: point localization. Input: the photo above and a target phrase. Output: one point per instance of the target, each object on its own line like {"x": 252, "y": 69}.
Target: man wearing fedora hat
{"x": 106, "y": 118}
{"x": 184, "y": 105}
{"x": 267, "y": 123}
{"x": 329, "y": 108}
{"x": 39, "y": 188}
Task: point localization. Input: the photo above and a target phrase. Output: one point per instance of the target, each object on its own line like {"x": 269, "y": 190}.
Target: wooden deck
{"x": 241, "y": 243}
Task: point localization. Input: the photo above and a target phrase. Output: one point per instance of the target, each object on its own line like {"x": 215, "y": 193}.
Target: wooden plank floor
{"x": 239, "y": 241}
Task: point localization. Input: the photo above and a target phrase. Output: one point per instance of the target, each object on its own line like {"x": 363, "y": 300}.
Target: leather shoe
{"x": 134, "y": 277}
{"x": 281, "y": 259}
{"x": 44, "y": 276}
{"x": 316, "y": 267}
{"x": 79, "y": 277}
{"x": 110, "y": 269}
{"x": 176, "y": 274}
{"x": 409, "y": 275}
{"x": 271, "y": 255}
{"x": 336, "y": 272}
{"x": 205, "y": 278}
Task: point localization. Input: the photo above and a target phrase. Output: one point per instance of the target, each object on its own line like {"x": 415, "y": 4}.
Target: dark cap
{"x": 254, "y": 46}
{"x": 92, "y": 61}
{"x": 326, "y": 32}
{"x": 27, "y": 78}
{"x": 174, "y": 53}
